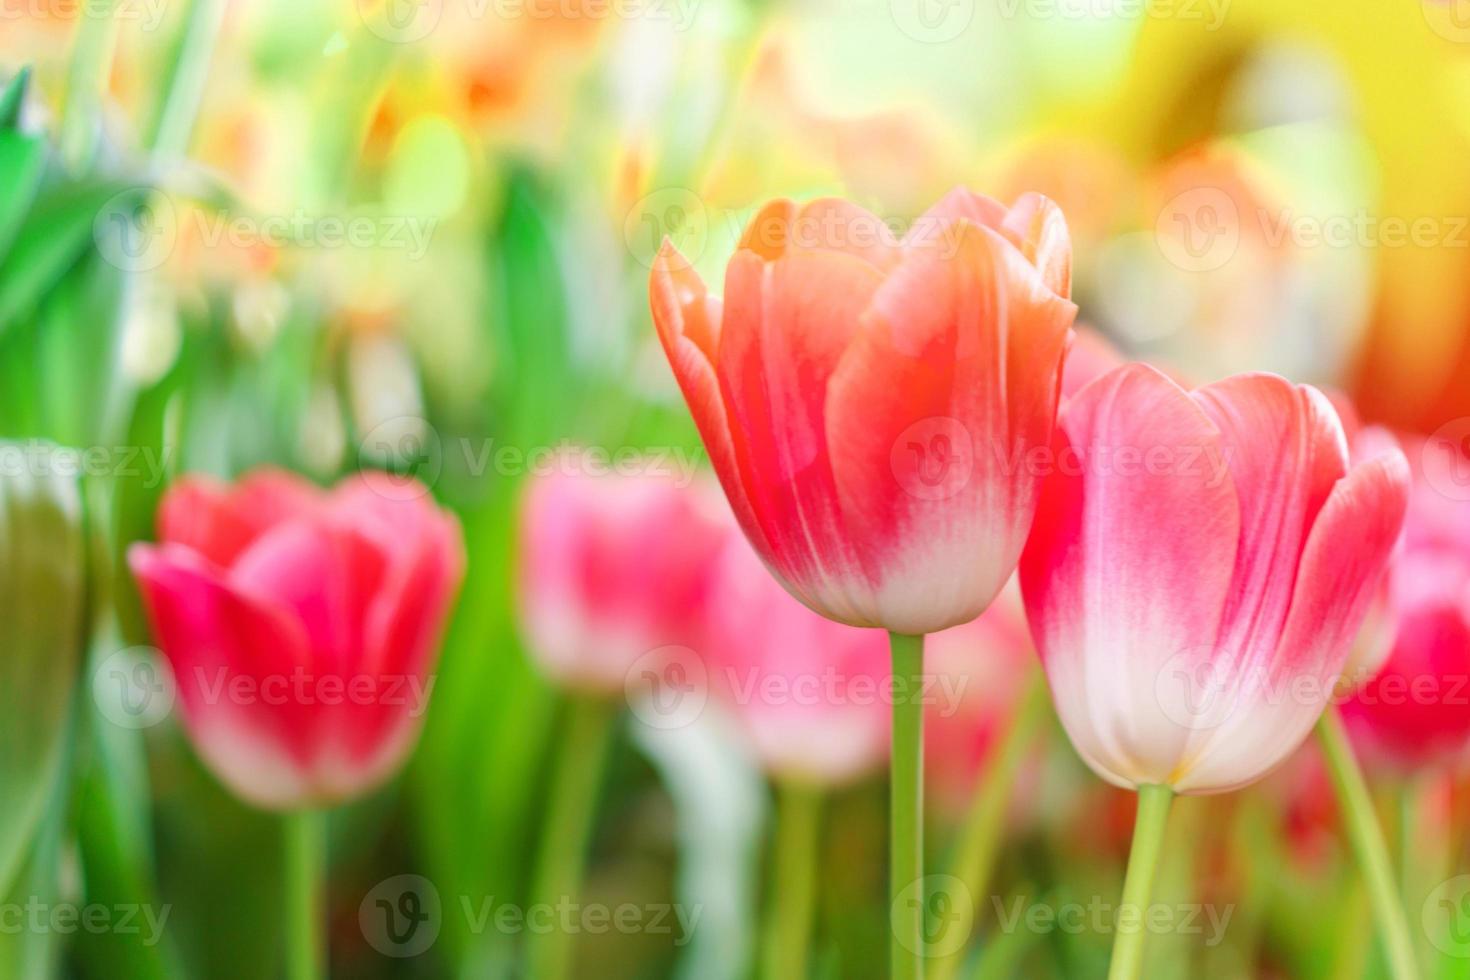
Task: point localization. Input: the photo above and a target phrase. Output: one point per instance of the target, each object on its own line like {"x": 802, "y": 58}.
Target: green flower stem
{"x": 306, "y": 858}
{"x": 1138, "y": 884}
{"x": 1366, "y": 837}
{"x": 984, "y": 826}
{"x": 179, "y": 102}
{"x": 567, "y": 832}
{"x": 906, "y": 809}
{"x": 793, "y": 889}
{"x": 87, "y": 75}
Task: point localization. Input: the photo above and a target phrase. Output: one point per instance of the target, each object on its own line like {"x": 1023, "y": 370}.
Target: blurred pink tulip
{"x": 612, "y": 568}
{"x": 810, "y": 695}
{"x": 980, "y": 671}
{"x": 1200, "y": 564}
{"x": 1091, "y": 356}
{"x": 1415, "y": 710}
{"x": 301, "y": 625}
{"x": 865, "y": 400}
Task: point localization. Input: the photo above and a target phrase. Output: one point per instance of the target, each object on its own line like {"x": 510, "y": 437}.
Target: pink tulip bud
{"x": 811, "y": 696}
{"x": 1415, "y": 710}
{"x": 869, "y": 403}
{"x": 302, "y": 626}
{"x": 613, "y": 568}
{"x": 1200, "y": 564}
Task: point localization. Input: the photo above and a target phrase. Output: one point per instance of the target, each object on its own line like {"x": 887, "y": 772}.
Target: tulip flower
{"x": 1217, "y": 536}
{"x": 613, "y": 577}
{"x": 612, "y": 568}
{"x": 863, "y": 400}
{"x": 1414, "y": 712}
{"x": 809, "y": 696}
{"x": 868, "y": 403}
{"x": 302, "y": 627}
{"x": 807, "y": 693}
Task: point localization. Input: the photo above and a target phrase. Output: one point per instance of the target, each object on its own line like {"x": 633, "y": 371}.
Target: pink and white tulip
{"x": 810, "y": 695}
{"x": 612, "y": 568}
{"x": 864, "y": 399}
{"x": 1200, "y": 564}
{"x": 302, "y": 626}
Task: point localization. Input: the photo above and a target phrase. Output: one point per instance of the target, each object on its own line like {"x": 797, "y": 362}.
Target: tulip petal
{"x": 1128, "y": 569}
{"x": 1341, "y": 566}
{"x": 679, "y": 301}
{"x": 952, "y": 381}
{"x": 1039, "y": 230}
{"x": 220, "y": 521}
{"x": 215, "y": 636}
{"x": 827, "y": 224}
{"x": 1286, "y": 451}
{"x": 787, "y": 325}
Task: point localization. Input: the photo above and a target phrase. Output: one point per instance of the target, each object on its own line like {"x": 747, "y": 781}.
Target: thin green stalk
{"x": 87, "y": 74}
{"x": 570, "y": 812}
{"x": 1366, "y": 837}
{"x": 906, "y": 809}
{"x": 306, "y": 858}
{"x": 179, "y": 103}
{"x": 789, "y": 910}
{"x": 1129, "y": 933}
{"x": 984, "y": 826}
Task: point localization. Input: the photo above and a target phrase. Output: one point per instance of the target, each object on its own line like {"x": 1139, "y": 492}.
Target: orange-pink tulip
{"x": 868, "y": 403}
{"x": 302, "y": 626}
{"x": 1200, "y": 565}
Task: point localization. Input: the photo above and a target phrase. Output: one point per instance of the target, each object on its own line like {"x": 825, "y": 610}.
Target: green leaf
{"x": 57, "y": 231}
{"x": 43, "y": 606}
